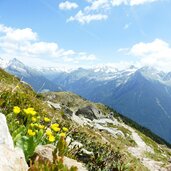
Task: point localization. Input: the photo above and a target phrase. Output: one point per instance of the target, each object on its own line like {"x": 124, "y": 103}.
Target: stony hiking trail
{"x": 140, "y": 149}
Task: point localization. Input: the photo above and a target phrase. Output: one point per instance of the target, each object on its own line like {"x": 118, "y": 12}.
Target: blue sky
{"x": 86, "y": 32}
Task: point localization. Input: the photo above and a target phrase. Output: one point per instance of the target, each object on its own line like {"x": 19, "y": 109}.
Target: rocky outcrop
{"x": 11, "y": 159}
{"x": 89, "y": 112}
{"x": 5, "y": 137}
{"x": 56, "y": 106}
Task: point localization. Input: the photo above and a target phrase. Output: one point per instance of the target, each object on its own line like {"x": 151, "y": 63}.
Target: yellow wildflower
{"x": 41, "y": 126}
{"x": 30, "y": 111}
{"x": 33, "y": 119}
{"x": 51, "y": 138}
{"x": 56, "y": 129}
{"x": 48, "y": 132}
{"x": 16, "y": 110}
{"x": 46, "y": 119}
{"x": 26, "y": 111}
{"x": 32, "y": 125}
{"x": 65, "y": 129}
{"x": 55, "y": 125}
{"x": 62, "y": 134}
{"x": 31, "y": 132}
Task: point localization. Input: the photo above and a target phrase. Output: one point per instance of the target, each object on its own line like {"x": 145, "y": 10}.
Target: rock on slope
{"x": 11, "y": 159}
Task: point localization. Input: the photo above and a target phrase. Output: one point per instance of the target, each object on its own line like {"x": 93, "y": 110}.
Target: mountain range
{"x": 142, "y": 94}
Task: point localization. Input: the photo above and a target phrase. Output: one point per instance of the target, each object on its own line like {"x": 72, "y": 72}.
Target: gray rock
{"x": 54, "y": 105}
{"x": 113, "y": 131}
{"x": 169, "y": 160}
{"x": 70, "y": 162}
{"x": 45, "y": 152}
{"x": 5, "y": 137}
{"x": 89, "y": 112}
{"x": 68, "y": 112}
{"x": 11, "y": 159}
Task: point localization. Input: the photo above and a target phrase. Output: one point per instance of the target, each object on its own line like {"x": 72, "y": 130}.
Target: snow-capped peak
{"x": 16, "y": 63}
{"x": 56, "y": 69}
{"x": 105, "y": 68}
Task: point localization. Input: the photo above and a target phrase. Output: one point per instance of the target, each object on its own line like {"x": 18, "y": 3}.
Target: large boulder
{"x": 5, "y": 137}
{"x": 11, "y": 158}
{"x": 89, "y": 112}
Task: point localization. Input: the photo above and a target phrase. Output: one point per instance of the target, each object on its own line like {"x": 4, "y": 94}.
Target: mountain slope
{"x": 147, "y": 102}
{"x": 29, "y": 75}
{"x": 142, "y": 94}
{"x": 108, "y": 135}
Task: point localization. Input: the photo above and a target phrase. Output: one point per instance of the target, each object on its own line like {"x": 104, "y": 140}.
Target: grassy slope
{"x": 15, "y": 93}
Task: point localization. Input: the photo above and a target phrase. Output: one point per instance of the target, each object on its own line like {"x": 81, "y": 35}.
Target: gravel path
{"x": 139, "y": 150}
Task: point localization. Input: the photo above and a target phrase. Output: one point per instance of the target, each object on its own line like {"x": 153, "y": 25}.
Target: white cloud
{"x": 68, "y": 5}
{"x": 18, "y": 34}
{"x": 84, "y": 18}
{"x": 108, "y": 4}
{"x": 24, "y": 44}
{"x": 156, "y": 53}
{"x": 119, "y": 2}
{"x": 98, "y": 4}
{"x": 97, "y": 10}
{"x": 140, "y": 2}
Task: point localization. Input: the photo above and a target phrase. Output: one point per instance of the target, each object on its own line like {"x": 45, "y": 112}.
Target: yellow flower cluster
{"x": 50, "y": 132}
{"x": 46, "y": 119}
{"x": 50, "y": 135}
{"x": 31, "y": 132}
{"x": 16, "y": 109}
{"x": 30, "y": 111}
{"x": 55, "y": 127}
{"x": 33, "y": 119}
{"x": 36, "y": 123}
